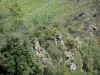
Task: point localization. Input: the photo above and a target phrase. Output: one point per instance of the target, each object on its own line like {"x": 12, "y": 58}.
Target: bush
{"x": 17, "y": 56}
{"x": 54, "y": 52}
{"x": 69, "y": 41}
{"x": 77, "y": 73}
{"x": 51, "y": 32}
{"x": 48, "y": 71}
{"x": 90, "y": 54}
{"x": 61, "y": 70}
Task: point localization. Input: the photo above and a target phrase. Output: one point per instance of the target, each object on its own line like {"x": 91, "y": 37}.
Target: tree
{"x": 17, "y": 16}
{"x": 54, "y": 52}
{"x": 17, "y": 56}
{"x": 90, "y": 55}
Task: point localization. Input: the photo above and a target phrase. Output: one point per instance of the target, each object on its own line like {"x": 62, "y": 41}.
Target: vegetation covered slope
{"x": 45, "y": 37}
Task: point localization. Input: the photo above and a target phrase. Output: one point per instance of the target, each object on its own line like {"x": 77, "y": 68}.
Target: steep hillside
{"x": 49, "y": 37}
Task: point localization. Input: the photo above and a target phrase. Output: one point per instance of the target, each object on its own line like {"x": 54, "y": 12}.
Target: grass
{"x": 45, "y": 11}
{"x": 54, "y": 10}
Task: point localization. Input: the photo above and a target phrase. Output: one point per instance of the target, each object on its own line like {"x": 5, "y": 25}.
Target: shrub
{"x": 17, "y": 56}
{"x": 54, "y": 52}
{"x": 61, "y": 70}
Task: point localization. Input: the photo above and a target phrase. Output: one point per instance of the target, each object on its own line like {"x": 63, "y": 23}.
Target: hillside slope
{"x": 49, "y": 37}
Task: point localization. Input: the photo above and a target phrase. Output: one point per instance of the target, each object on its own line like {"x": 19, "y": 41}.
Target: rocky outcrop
{"x": 72, "y": 66}
{"x": 37, "y": 45}
{"x": 69, "y": 56}
{"x": 46, "y": 58}
{"x": 88, "y": 19}
{"x": 43, "y": 55}
{"x": 78, "y": 43}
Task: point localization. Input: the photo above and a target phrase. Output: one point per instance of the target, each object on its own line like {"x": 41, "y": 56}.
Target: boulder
{"x": 72, "y": 66}
{"x": 37, "y": 45}
{"x": 60, "y": 36}
{"x": 45, "y": 56}
{"x": 69, "y": 56}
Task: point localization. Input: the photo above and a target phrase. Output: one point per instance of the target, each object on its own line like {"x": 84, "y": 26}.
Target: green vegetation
{"x": 24, "y": 21}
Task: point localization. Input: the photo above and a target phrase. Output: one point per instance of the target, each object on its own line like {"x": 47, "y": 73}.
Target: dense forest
{"x": 49, "y": 37}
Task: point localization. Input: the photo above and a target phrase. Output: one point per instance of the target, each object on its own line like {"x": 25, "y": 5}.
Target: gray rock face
{"x": 69, "y": 56}
{"x": 44, "y": 56}
{"x": 78, "y": 42}
{"x": 88, "y": 19}
{"x": 69, "y": 60}
{"x": 60, "y": 37}
{"x": 37, "y": 45}
{"x": 72, "y": 67}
